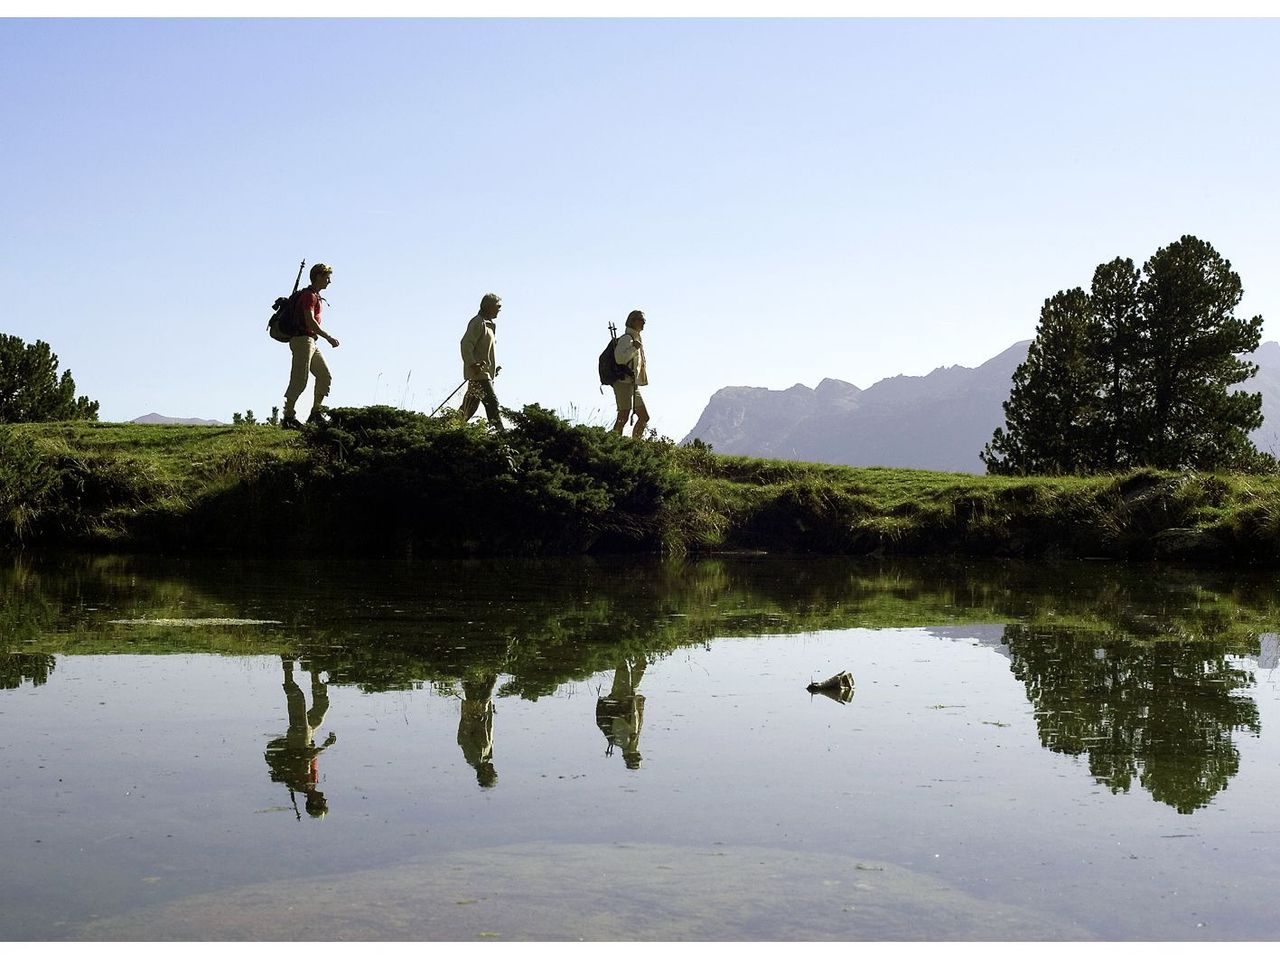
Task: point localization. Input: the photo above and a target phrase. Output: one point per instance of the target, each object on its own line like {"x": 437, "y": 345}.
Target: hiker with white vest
{"x": 479, "y": 365}
{"x": 629, "y": 353}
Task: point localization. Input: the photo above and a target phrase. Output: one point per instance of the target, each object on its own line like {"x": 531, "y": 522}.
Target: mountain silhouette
{"x": 185, "y": 421}
{"x": 939, "y": 421}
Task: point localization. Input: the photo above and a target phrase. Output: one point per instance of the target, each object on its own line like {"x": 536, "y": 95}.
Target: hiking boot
{"x": 318, "y": 418}
{"x": 290, "y": 423}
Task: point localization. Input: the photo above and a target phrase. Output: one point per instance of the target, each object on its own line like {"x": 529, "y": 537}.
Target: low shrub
{"x": 545, "y": 486}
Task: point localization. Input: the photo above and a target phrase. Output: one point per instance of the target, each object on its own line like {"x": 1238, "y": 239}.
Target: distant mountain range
{"x": 940, "y": 421}
{"x": 186, "y": 421}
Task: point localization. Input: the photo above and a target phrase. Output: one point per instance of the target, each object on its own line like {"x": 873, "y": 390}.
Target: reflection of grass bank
{"x": 387, "y": 481}
{"x": 548, "y": 621}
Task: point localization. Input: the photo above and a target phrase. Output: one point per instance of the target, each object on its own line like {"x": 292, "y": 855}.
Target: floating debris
{"x": 839, "y": 687}
{"x": 199, "y": 622}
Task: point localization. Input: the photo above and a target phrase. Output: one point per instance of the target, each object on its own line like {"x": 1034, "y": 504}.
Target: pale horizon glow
{"x": 787, "y": 200}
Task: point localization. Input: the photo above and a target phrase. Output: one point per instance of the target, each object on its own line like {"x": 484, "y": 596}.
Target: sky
{"x": 786, "y": 199}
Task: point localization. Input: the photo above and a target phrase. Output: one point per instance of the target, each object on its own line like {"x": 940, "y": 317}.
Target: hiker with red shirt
{"x": 307, "y": 358}
{"x": 293, "y": 759}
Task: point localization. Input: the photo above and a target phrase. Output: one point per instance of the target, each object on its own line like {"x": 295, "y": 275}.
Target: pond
{"x": 625, "y": 749}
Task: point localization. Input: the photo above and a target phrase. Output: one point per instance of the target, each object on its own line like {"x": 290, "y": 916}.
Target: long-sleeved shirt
{"x": 630, "y": 353}
{"x": 478, "y": 345}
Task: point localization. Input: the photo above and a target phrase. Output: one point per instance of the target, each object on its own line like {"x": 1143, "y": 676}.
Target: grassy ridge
{"x": 389, "y": 481}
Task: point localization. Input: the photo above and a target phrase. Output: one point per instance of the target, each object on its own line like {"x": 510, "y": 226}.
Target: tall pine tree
{"x": 1139, "y": 372}
{"x": 1052, "y": 410}
{"x": 1190, "y": 349}
{"x": 1114, "y": 344}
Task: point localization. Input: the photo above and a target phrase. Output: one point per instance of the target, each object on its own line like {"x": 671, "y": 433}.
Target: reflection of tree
{"x": 1163, "y": 711}
{"x": 293, "y": 758}
{"x": 17, "y": 668}
{"x": 620, "y": 714}
{"x": 475, "y": 727}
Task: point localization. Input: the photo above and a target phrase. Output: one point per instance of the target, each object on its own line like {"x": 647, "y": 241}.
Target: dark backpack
{"x": 284, "y": 325}
{"x": 611, "y": 371}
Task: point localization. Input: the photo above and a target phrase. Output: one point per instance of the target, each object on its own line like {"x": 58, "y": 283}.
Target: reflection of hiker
{"x": 306, "y": 357}
{"x": 478, "y": 361}
{"x": 475, "y": 728}
{"x": 620, "y": 714}
{"x": 292, "y": 758}
{"x": 629, "y": 353}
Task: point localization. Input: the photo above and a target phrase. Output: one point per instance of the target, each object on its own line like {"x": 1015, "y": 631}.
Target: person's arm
{"x": 625, "y": 351}
{"x": 311, "y": 325}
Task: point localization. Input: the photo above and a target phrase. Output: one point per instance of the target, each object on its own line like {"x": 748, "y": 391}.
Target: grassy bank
{"x": 380, "y": 480}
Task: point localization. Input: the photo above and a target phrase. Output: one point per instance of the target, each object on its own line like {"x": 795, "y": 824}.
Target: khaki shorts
{"x": 628, "y": 396}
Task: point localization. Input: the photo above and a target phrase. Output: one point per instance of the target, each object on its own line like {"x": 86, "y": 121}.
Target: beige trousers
{"x": 307, "y": 359}
{"x": 628, "y": 396}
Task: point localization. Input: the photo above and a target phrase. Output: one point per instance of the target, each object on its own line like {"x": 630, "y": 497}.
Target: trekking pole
{"x": 298, "y": 279}
{"x": 455, "y": 390}
{"x": 448, "y": 398}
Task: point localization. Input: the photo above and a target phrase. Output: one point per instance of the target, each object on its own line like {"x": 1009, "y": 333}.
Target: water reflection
{"x": 620, "y": 714}
{"x": 475, "y": 727}
{"x": 1164, "y": 712}
{"x": 294, "y": 759}
{"x": 1138, "y": 671}
{"x": 19, "y": 668}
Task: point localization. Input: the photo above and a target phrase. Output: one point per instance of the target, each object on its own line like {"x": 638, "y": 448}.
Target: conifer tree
{"x": 30, "y": 388}
{"x": 1115, "y": 342}
{"x": 1052, "y": 410}
{"x": 1139, "y": 372}
{"x": 1190, "y": 360}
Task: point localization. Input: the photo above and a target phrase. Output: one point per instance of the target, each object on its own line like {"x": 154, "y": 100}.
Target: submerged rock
{"x": 1187, "y": 543}
{"x": 546, "y": 891}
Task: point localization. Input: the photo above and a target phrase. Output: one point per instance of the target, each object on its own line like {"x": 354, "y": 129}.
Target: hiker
{"x": 292, "y": 758}
{"x": 475, "y": 728}
{"x": 307, "y": 359}
{"x": 478, "y": 367}
{"x": 630, "y": 353}
{"x": 620, "y": 715}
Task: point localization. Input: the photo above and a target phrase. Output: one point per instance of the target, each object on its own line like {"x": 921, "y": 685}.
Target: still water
{"x": 626, "y": 750}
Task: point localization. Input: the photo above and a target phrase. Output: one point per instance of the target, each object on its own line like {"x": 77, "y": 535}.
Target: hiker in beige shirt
{"x": 629, "y": 353}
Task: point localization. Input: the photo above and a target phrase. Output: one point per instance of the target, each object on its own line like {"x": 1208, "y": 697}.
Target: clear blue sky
{"x": 786, "y": 200}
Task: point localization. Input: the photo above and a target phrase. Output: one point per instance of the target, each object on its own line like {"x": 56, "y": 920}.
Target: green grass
{"x": 384, "y": 480}
{"x": 94, "y": 482}
{"x": 184, "y": 457}
{"x": 1146, "y": 513}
